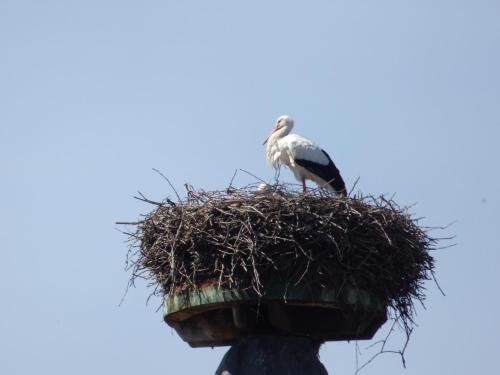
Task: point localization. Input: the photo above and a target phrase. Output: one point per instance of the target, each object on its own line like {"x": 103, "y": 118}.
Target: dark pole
{"x": 272, "y": 355}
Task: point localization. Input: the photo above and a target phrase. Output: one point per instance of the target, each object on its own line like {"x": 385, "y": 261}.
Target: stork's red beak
{"x": 269, "y": 135}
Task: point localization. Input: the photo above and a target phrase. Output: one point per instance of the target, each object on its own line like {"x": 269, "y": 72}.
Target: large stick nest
{"x": 241, "y": 237}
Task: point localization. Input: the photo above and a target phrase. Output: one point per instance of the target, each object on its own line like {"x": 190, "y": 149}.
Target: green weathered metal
{"x": 215, "y": 316}
{"x": 329, "y": 297}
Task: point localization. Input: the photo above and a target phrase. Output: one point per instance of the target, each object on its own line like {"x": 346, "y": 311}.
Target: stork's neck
{"x": 278, "y": 134}
{"x": 273, "y": 149}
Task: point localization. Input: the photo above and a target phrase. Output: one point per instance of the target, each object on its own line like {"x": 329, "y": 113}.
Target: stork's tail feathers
{"x": 338, "y": 187}
{"x": 342, "y": 193}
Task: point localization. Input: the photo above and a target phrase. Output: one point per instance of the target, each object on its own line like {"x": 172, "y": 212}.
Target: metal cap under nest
{"x": 217, "y": 316}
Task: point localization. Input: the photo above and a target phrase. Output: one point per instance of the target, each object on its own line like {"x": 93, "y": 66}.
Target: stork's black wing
{"x": 327, "y": 172}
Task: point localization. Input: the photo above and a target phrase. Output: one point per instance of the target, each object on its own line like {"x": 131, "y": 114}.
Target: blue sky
{"x": 94, "y": 94}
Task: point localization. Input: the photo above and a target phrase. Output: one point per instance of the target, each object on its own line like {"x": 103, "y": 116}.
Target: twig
{"x": 168, "y": 181}
{"x": 254, "y": 176}
{"x": 353, "y": 186}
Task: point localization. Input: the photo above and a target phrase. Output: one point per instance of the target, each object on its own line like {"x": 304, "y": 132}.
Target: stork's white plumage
{"x": 305, "y": 159}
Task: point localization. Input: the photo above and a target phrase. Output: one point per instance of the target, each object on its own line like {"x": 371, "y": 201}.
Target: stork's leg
{"x": 303, "y": 185}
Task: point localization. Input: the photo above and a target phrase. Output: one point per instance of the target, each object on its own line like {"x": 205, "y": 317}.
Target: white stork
{"x": 305, "y": 159}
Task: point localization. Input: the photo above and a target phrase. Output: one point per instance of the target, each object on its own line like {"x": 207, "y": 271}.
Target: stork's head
{"x": 284, "y": 125}
{"x": 284, "y": 121}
